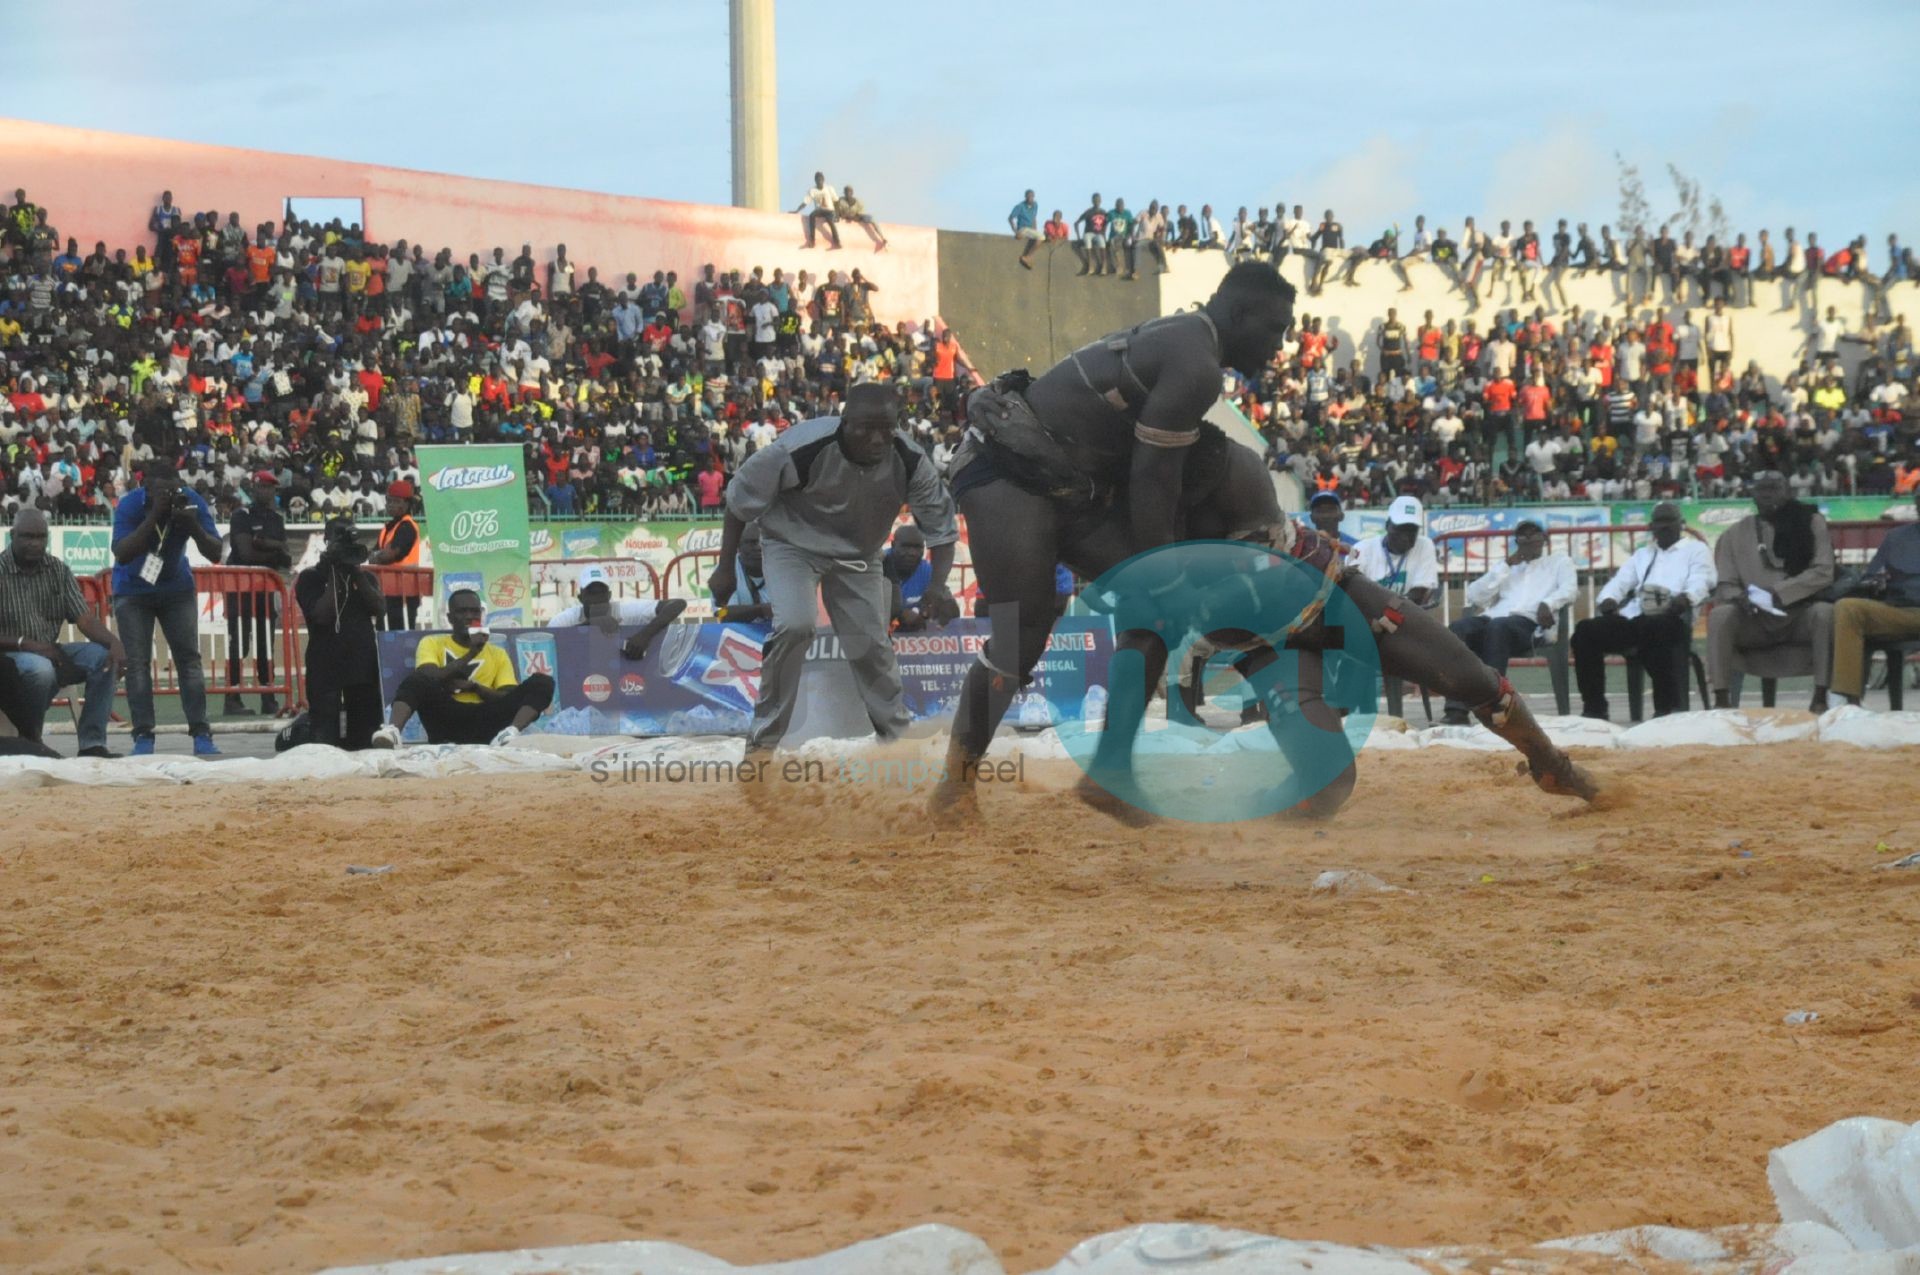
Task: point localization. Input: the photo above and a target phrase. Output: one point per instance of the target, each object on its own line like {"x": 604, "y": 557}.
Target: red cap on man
{"x": 265, "y": 476}
{"x": 400, "y": 489}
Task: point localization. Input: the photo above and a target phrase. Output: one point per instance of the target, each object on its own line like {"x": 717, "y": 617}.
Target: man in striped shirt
{"x": 37, "y": 595}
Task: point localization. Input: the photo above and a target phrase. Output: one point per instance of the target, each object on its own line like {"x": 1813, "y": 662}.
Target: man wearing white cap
{"x": 1402, "y": 560}
{"x": 598, "y": 607}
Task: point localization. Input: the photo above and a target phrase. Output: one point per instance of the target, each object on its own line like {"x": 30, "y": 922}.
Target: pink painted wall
{"x": 98, "y": 186}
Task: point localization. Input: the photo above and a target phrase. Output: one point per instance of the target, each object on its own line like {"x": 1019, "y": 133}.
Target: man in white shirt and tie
{"x": 1519, "y": 601}
{"x": 1647, "y": 608}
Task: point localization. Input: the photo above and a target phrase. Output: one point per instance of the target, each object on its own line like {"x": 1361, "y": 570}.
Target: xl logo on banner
{"x": 736, "y": 664}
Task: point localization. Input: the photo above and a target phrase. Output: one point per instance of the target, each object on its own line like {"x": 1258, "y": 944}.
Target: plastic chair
{"x": 1637, "y": 681}
{"x": 1896, "y": 653}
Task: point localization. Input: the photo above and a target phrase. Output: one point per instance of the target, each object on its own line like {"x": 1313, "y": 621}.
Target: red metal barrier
{"x": 674, "y": 581}
{"x": 631, "y": 578}
{"x": 215, "y": 585}
{"x": 404, "y": 582}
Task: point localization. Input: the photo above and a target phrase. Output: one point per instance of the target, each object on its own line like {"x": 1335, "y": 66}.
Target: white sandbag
{"x": 1860, "y": 1176}
{"x": 1765, "y": 1247}
{"x": 1158, "y": 1247}
{"x": 20, "y": 773}
{"x": 538, "y": 741}
{"x": 1580, "y": 732}
{"x": 441, "y": 760}
{"x": 1718, "y": 728}
{"x": 1781, "y": 725}
{"x": 923, "y": 1250}
{"x": 1349, "y": 881}
{"x": 1476, "y": 738}
{"x": 1390, "y": 734}
{"x": 309, "y": 761}
{"x": 1851, "y": 724}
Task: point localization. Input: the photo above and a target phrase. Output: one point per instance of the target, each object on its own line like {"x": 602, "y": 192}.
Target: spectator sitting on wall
{"x": 1057, "y": 230}
{"x": 1022, "y": 222}
{"x": 849, "y": 209}
{"x": 463, "y": 687}
{"x": 817, "y": 211}
{"x": 598, "y": 608}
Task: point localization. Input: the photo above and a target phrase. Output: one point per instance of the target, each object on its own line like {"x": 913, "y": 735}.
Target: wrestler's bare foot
{"x": 953, "y": 802}
{"x": 1098, "y": 798}
{"x": 1556, "y": 775}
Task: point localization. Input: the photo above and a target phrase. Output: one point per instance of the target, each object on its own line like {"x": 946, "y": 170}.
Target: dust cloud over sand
{"x": 578, "y": 1012}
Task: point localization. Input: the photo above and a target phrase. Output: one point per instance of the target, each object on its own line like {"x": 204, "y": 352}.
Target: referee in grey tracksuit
{"x": 826, "y": 494}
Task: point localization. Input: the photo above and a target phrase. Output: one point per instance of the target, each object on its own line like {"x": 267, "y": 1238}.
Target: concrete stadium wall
{"x": 1354, "y": 314}
{"x": 101, "y": 186}
{"x": 1007, "y": 316}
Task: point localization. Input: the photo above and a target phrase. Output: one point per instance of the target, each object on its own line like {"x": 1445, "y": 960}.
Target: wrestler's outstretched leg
{"x": 1304, "y": 725}
{"x": 1127, "y": 699}
{"x": 1414, "y": 645}
{"x": 1013, "y": 540}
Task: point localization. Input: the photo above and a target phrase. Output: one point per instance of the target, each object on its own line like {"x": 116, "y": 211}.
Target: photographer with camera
{"x": 463, "y": 688}
{"x": 340, "y": 599}
{"x": 153, "y": 582}
{"x": 256, "y": 537}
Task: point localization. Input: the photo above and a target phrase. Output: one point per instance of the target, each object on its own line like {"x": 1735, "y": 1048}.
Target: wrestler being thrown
{"x": 1090, "y": 464}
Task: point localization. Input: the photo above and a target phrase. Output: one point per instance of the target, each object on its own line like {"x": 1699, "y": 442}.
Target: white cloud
{"x": 1560, "y": 173}
{"x": 1367, "y": 188}
{"x": 896, "y": 158}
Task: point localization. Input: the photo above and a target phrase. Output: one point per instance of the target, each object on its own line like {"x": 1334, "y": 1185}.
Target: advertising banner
{"x": 702, "y": 679}
{"x": 476, "y": 525}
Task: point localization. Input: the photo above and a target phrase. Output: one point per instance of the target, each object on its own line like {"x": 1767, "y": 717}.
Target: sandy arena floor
{"x": 576, "y": 1013}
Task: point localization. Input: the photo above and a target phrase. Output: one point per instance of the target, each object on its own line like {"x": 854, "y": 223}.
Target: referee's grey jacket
{"x": 804, "y": 492}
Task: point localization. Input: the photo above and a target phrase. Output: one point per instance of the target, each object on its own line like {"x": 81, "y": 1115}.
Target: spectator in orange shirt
{"x": 1499, "y": 398}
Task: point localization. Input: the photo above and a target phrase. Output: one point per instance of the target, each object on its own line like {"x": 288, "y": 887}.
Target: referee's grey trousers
{"x": 858, "y": 600}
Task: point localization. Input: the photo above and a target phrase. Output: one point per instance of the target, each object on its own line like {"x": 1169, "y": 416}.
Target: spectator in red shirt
{"x": 710, "y": 482}
{"x": 1057, "y": 228}
{"x": 1499, "y": 397}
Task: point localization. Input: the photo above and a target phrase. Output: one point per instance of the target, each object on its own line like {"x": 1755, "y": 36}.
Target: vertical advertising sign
{"x": 476, "y": 508}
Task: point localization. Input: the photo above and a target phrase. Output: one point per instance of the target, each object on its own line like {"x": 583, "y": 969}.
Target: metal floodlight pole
{"x": 756, "y": 128}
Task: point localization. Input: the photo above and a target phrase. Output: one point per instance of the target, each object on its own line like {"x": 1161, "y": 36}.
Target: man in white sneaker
{"x": 462, "y": 686}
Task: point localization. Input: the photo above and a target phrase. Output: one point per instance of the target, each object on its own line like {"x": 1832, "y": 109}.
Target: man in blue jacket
{"x": 152, "y": 581}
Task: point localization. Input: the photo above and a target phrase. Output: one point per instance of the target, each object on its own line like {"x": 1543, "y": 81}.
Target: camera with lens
{"x": 342, "y": 547}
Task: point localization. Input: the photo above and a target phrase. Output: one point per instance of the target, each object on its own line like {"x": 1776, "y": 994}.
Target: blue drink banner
{"x": 701, "y": 679}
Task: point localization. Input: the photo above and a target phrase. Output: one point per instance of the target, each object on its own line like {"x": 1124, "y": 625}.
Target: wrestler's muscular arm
{"x": 1184, "y": 375}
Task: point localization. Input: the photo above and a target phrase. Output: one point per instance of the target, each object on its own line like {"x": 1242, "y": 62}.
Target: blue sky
{"x": 941, "y": 114}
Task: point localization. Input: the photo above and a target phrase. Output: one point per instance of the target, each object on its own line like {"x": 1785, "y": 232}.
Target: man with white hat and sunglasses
{"x": 1403, "y": 559}
{"x": 598, "y": 607}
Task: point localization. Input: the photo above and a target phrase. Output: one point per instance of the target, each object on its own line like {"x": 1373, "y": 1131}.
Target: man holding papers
{"x": 1773, "y": 565}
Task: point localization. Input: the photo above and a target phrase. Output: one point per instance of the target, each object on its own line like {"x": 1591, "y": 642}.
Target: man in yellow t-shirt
{"x": 462, "y": 686}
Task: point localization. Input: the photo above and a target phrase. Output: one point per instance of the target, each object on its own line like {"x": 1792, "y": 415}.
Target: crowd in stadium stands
{"x": 1590, "y": 406}
{"x": 322, "y": 358}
